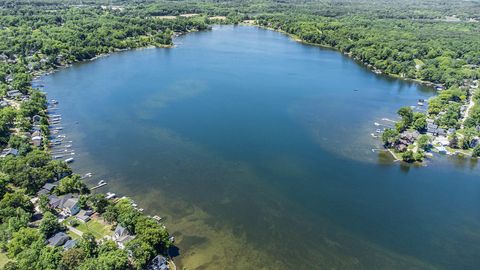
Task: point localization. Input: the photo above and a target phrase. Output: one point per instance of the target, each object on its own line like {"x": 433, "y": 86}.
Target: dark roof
{"x": 58, "y": 239}
{"x": 58, "y": 202}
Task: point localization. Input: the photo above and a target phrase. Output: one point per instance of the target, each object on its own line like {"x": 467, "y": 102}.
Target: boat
{"x": 69, "y": 160}
{"x": 420, "y": 103}
{"x": 157, "y": 218}
{"x": 378, "y": 130}
{"x": 54, "y": 101}
{"x": 110, "y": 195}
{"x": 102, "y": 182}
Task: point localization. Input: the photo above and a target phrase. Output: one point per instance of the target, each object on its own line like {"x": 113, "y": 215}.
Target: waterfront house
{"x": 71, "y": 207}
{"x": 66, "y": 203}
{"x": 69, "y": 244}
{"x": 46, "y": 189}
{"x": 14, "y": 93}
{"x": 9, "y": 78}
{"x": 158, "y": 263}
{"x": 122, "y": 236}
{"x": 84, "y": 215}
{"x": 441, "y": 132}
{"x": 9, "y": 151}
{"x": 37, "y": 141}
{"x": 58, "y": 239}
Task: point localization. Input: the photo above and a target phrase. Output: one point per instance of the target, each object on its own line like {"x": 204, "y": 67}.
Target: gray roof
{"x": 157, "y": 263}
{"x": 49, "y": 186}
{"x": 9, "y": 151}
{"x": 14, "y": 93}
{"x": 70, "y": 203}
{"x": 58, "y": 202}
{"x": 70, "y": 244}
{"x": 58, "y": 239}
{"x": 121, "y": 231}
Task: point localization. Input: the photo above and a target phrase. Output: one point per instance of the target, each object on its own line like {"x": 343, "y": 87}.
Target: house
{"x": 9, "y": 151}
{"x": 84, "y": 215}
{"x": 71, "y": 206}
{"x": 66, "y": 203}
{"x": 441, "y": 132}
{"x": 69, "y": 244}
{"x": 47, "y": 188}
{"x": 3, "y": 104}
{"x": 122, "y": 236}
{"x": 157, "y": 263}
{"x": 58, "y": 239}
{"x": 9, "y": 78}
{"x": 450, "y": 131}
{"x": 14, "y": 93}
{"x": 406, "y": 138}
{"x": 37, "y": 141}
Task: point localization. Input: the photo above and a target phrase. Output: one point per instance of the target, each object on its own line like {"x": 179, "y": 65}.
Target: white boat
{"x": 110, "y": 195}
{"x": 102, "y": 182}
{"x": 68, "y": 160}
{"x": 420, "y": 103}
{"x": 378, "y": 130}
{"x": 54, "y": 101}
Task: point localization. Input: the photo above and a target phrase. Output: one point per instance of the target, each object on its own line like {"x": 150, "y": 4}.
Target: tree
{"x": 141, "y": 252}
{"x": 407, "y": 115}
{"x": 468, "y": 137}
{"x": 99, "y": 202}
{"x": 419, "y": 122}
{"x": 88, "y": 245}
{"x": 23, "y": 240}
{"x": 423, "y": 142}
{"x": 72, "y": 258}
{"x": 389, "y": 137}
{"x": 50, "y": 258}
{"x": 4, "y": 180}
{"x": 11, "y": 202}
{"x": 408, "y": 156}
{"x": 476, "y": 151}
{"x": 49, "y": 224}
{"x": 43, "y": 203}
{"x": 71, "y": 184}
{"x": 454, "y": 142}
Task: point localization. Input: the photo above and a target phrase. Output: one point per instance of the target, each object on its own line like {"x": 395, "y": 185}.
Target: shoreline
{"x": 349, "y": 55}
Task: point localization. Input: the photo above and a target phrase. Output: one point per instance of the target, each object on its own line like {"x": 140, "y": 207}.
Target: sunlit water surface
{"x": 257, "y": 151}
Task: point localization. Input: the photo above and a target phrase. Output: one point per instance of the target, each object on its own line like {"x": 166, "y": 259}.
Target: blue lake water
{"x": 257, "y": 151}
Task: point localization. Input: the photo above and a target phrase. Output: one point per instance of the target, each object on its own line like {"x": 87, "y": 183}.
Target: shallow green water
{"x": 257, "y": 151}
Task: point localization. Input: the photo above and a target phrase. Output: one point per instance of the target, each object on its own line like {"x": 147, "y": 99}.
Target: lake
{"x": 257, "y": 151}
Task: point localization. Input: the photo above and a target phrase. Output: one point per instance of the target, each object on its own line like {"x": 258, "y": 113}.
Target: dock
{"x": 98, "y": 186}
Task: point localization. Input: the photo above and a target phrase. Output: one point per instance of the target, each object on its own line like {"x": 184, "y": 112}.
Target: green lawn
{"x": 3, "y": 259}
{"x": 96, "y": 227}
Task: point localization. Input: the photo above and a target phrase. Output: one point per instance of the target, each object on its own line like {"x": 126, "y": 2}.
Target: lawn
{"x": 3, "y": 259}
{"x": 96, "y": 227}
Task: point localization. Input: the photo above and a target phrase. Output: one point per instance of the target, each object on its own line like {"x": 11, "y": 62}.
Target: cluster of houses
{"x": 434, "y": 130}
{"x": 68, "y": 205}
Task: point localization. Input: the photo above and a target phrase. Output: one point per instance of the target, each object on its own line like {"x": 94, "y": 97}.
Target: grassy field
{"x": 96, "y": 227}
{"x": 3, "y": 259}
